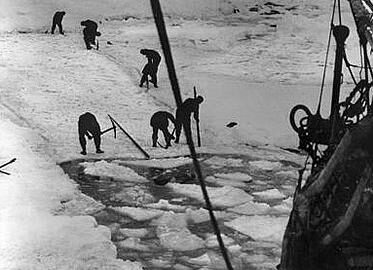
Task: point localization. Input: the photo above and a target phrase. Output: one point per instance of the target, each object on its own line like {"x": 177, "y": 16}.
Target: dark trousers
{"x": 89, "y": 37}
{"x": 86, "y": 125}
{"x": 167, "y": 135}
{"x": 144, "y": 79}
{"x": 180, "y": 121}
{"x": 59, "y": 27}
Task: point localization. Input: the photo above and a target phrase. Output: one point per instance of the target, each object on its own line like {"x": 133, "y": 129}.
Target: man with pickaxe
{"x": 158, "y": 121}
{"x": 88, "y": 126}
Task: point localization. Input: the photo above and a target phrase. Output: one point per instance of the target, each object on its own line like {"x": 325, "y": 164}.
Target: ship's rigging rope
{"x": 159, "y": 21}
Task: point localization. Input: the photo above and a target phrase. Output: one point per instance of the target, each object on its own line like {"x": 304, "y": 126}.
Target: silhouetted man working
{"x": 184, "y": 112}
{"x": 154, "y": 59}
{"x": 89, "y": 33}
{"x": 158, "y": 121}
{"x": 88, "y": 126}
{"x": 57, "y": 21}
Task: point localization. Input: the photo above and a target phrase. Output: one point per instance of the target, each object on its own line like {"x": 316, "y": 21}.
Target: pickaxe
{"x": 111, "y": 128}
{"x": 5, "y": 164}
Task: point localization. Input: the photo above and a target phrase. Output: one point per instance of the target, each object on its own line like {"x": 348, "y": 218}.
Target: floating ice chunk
{"x": 201, "y": 260}
{"x": 288, "y": 174}
{"x": 133, "y": 243}
{"x": 170, "y": 220}
{"x": 137, "y": 233}
{"x": 164, "y": 163}
{"x": 134, "y": 196}
{"x": 270, "y": 194}
{"x": 202, "y": 215}
{"x": 211, "y": 240}
{"x": 251, "y": 208}
{"x": 80, "y": 205}
{"x": 159, "y": 263}
{"x": 260, "y": 228}
{"x": 225, "y": 182}
{"x": 224, "y": 162}
{"x": 165, "y": 205}
{"x": 180, "y": 239}
{"x": 285, "y": 207}
{"x": 266, "y": 165}
{"x": 181, "y": 267}
{"x": 138, "y": 213}
{"x": 237, "y": 176}
{"x": 220, "y": 196}
{"x": 104, "y": 168}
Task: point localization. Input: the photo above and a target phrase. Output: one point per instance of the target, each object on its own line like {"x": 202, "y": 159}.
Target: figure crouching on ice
{"x": 88, "y": 126}
{"x": 158, "y": 121}
{"x": 89, "y": 33}
{"x": 184, "y": 112}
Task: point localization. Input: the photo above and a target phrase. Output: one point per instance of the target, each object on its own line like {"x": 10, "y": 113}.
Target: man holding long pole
{"x": 184, "y": 112}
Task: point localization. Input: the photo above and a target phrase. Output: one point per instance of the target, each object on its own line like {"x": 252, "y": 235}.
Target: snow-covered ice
{"x": 260, "y": 228}
{"x": 220, "y": 196}
{"x": 104, "y": 168}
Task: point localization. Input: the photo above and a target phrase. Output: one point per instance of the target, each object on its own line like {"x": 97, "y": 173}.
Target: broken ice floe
{"x": 138, "y": 213}
{"x": 222, "y": 197}
{"x": 104, "y": 168}
{"x": 224, "y": 162}
{"x": 266, "y": 165}
{"x": 165, "y": 163}
{"x": 136, "y": 233}
{"x": 230, "y": 179}
{"x": 269, "y": 194}
{"x": 211, "y": 240}
{"x": 133, "y": 196}
{"x": 251, "y": 208}
{"x": 260, "y": 228}
{"x": 133, "y": 243}
{"x": 165, "y": 205}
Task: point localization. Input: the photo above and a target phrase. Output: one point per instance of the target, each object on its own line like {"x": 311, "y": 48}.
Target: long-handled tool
{"x": 197, "y": 122}
{"x": 172, "y": 134}
{"x": 111, "y": 128}
{"x": 129, "y": 136}
{"x": 5, "y": 164}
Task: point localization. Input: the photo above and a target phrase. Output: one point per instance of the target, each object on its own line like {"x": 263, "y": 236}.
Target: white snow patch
{"x": 220, "y": 196}
{"x": 80, "y": 205}
{"x": 260, "y": 228}
{"x": 104, "y": 168}
{"x": 269, "y": 194}
{"x": 266, "y": 165}
{"x": 138, "y": 213}
{"x": 251, "y": 208}
{"x": 165, "y": 163}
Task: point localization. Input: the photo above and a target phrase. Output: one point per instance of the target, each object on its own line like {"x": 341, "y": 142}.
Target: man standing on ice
{"x": 88, "y": 126}
{"x": 184, "y": 112}
{"x": 154, "y": 58}
{"x": 159, "y": 120}
{"x": 89, "y": 33}
{"x": 57, "y": 21}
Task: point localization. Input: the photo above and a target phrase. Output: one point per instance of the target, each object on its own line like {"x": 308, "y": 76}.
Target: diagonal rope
{"x": 159, "y": 21}
{"x": 326, "y": 58}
